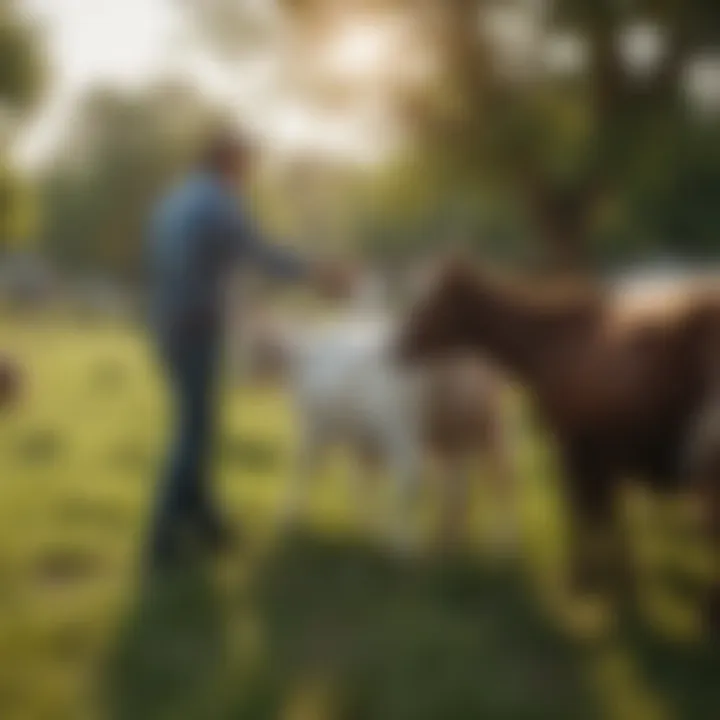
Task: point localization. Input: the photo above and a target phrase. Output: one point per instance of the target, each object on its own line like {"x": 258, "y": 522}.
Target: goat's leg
{"x": 454, "y": 516}
{"x": 406, "y": 474}
{"x": 363, "y": 475}
{"x": 297, "y": 489}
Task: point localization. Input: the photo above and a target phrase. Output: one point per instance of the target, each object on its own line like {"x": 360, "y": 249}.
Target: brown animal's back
{"x": 618, "y": 377}
{"x": 632, "y": 383}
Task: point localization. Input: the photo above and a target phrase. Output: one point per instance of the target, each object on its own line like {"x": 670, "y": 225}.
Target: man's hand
{"x": 335, "y": 279}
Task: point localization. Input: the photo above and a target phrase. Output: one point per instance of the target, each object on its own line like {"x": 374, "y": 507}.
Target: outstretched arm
{"x": 248, "y": 243}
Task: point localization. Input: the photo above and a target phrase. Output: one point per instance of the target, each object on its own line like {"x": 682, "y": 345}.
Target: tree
{"x": 568, "y": 148}
{"x": 21, "y": 69}
{"x": 122, "y": 151}
{"x": 21, "y": 75}
{"x": 569, "y": 118}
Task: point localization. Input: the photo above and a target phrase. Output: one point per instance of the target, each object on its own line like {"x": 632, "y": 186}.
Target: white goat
{"x": 348, "y": 389}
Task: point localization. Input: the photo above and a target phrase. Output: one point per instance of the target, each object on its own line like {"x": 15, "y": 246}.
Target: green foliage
{"x": 674, "y": 201}
{"x": 563, "y": 148}
{"x": 17, "y": 210}
{"x": 120, "y": 154}
{"x": 21, "y": 67}
{"x": 597, "y": 161}
{"x": 21, "y": 81}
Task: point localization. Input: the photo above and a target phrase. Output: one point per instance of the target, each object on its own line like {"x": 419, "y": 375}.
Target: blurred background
{"x": 550, "y": 135}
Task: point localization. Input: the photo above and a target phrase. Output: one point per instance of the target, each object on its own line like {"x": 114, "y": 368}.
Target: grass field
{"x": 323, "y": 625}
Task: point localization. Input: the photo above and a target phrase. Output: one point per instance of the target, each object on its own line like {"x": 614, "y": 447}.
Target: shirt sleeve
{"x": 247, "y": 244}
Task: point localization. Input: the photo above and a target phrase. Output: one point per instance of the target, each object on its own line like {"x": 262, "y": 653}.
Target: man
{"x": 198, "y": 234}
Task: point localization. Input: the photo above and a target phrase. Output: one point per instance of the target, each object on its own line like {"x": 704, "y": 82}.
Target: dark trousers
{"x": 184, "y": 503}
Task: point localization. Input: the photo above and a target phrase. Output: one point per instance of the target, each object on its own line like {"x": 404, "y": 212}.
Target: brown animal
{"x": 623, "y": 386}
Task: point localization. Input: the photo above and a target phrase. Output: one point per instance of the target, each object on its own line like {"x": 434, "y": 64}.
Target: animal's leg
{"x": 591, "y": 496}
{"x": 704, "y": 470}
{"x": 455, "y": 485}
{"x": 712, "y": 492}
{"x": 702, "y": 452}
{"x": 405, "y": 470}
{"x": 301, "y": 475}
{"x": 364, "y": 473}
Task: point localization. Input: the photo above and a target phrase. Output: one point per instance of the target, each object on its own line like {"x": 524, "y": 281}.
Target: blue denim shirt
{"x": 198, "y": 234}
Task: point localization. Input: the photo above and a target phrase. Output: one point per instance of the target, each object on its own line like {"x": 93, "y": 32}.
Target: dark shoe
{"x": 166, "y": 556}
{"x": 172, "y": 545}
{"x": 215, "y": 535}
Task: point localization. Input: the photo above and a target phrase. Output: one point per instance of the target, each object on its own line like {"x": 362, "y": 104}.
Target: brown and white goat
{"x": 347, "y": 388}
{"x": 625, "y": 387}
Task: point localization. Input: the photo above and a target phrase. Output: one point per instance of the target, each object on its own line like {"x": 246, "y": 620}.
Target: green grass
{"x": 322, "y": 625}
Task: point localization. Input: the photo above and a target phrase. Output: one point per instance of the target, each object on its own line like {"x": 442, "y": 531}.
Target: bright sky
{"x": 106, "y": 39}
{"x": 129, "y": 43}
{"x": 132, "y": 42}
{"x": 89, "y": 42}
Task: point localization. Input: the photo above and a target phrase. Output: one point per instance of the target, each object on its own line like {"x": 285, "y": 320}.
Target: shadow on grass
{"x": 684, "y": 676}
{"x": 339, "y": 630}
{"x": 65, "y": 566}
{"x": 40, "y": 446}
{"x": 256, "y": 455}
{"x": 324, "y": 629}
{"x": 170, "y": 656}
{"x": 353, "y": 634}
{"x": 674, "y": 648}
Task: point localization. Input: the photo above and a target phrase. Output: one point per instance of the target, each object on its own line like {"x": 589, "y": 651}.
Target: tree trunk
{"x": 564, "y": 219}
